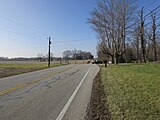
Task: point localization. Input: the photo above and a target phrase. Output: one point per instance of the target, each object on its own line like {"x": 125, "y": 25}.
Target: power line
{"x": 150, "y": 4}
{"x": 20, "y": 34}
{"x": 87, "y": 39}
{"x": 144, "y": 17}
{"x": 35, "y": 38}
{"x": 152, "y": 11}
{"x": 25, "y": 35}
{"x": 24, "y": 26}
{"x": 151, "y": 21}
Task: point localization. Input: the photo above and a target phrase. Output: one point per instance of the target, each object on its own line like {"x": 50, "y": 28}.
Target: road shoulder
{"x": 97, "y": 108}
{"x": 77, "y": 110}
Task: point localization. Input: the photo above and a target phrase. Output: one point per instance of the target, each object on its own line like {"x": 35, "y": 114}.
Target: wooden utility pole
{"x": 49, "y": 52}
{"x": 75, "y": 55}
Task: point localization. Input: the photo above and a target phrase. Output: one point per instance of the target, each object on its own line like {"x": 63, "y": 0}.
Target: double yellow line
{"x": 29, "y": 83}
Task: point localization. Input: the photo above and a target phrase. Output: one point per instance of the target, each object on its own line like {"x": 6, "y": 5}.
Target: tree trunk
{"x": 143, "y": 42}
{"x": 117, "y": 59}
{"x": 154, "y": 37}
{"x": 112, "y": 59}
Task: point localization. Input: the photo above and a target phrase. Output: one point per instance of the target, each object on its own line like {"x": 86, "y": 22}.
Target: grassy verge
{"x": 14, "y": 69}
{"x": 132, "y": 91}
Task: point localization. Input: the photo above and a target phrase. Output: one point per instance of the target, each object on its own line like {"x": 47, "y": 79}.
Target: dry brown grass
{"x": 9, "y": 68}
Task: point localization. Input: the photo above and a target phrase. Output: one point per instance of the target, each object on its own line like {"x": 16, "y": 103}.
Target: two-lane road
{"x": 60, "y": 93}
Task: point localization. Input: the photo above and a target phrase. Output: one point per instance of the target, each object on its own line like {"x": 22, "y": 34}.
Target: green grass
{"x": 132, "y": 91}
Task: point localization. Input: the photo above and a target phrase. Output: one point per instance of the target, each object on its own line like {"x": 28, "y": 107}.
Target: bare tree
{"x": 110, "y": 20}
{"x": 136, "y": 43}
{"x": 40, "y": 57}
{"x": 67, "y": 54}
{"x": 154, "y": 27}
{"x": 142, "y": 35}
{"x": 149, "y": 48}
{"x": 100, "y": 54}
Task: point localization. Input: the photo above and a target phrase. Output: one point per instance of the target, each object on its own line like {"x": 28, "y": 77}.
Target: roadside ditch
{"x": 97, "y": 108}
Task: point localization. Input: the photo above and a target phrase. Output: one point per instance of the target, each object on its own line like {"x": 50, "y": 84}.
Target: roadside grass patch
{"x": 132, "y": 91}
{"x": 7, "y": 70}
{"x": 27, "y": 65}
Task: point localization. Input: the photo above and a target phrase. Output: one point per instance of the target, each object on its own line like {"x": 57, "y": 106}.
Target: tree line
{"x": 77, "y": 54}
{"x": 125, "y": 33}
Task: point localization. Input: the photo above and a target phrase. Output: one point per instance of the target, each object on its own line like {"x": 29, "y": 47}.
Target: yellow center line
{"x": 29, "y": 83}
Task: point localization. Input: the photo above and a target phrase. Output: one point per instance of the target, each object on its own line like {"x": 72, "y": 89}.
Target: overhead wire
{"x": 20, "y": 34}
{"x": 152, "y": 11}
{"x": 157, "y": 8}
{"x": 151, "y": 21}
{"x": 150, "y": 4}
{"x": 137, "y": 22}
{"x": 24, "y": 26}
{"x": 35, "y": 38}
{"x": 86, "y": 39}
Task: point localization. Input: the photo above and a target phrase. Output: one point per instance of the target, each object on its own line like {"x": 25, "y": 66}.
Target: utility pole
{"x": 75, "y": 55}
{"x": 49, "y": 52}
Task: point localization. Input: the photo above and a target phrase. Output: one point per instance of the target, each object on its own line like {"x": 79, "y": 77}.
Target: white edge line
{"x": 62, "y": 113}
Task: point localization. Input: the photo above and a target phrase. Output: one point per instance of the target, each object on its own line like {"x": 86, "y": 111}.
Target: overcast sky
{"x": 26, "y": 24}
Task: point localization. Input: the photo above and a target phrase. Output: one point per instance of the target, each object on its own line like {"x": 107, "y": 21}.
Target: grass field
{"x": 14, "y": 68}
{"x": 132, "y": 91}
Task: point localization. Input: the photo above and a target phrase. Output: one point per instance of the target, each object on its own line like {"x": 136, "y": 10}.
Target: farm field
{"x": 9, "y": 68}
{"x": 132, "y": 91}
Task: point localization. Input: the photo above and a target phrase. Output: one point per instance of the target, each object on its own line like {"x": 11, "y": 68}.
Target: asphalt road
{"x": 60, "y": 93}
